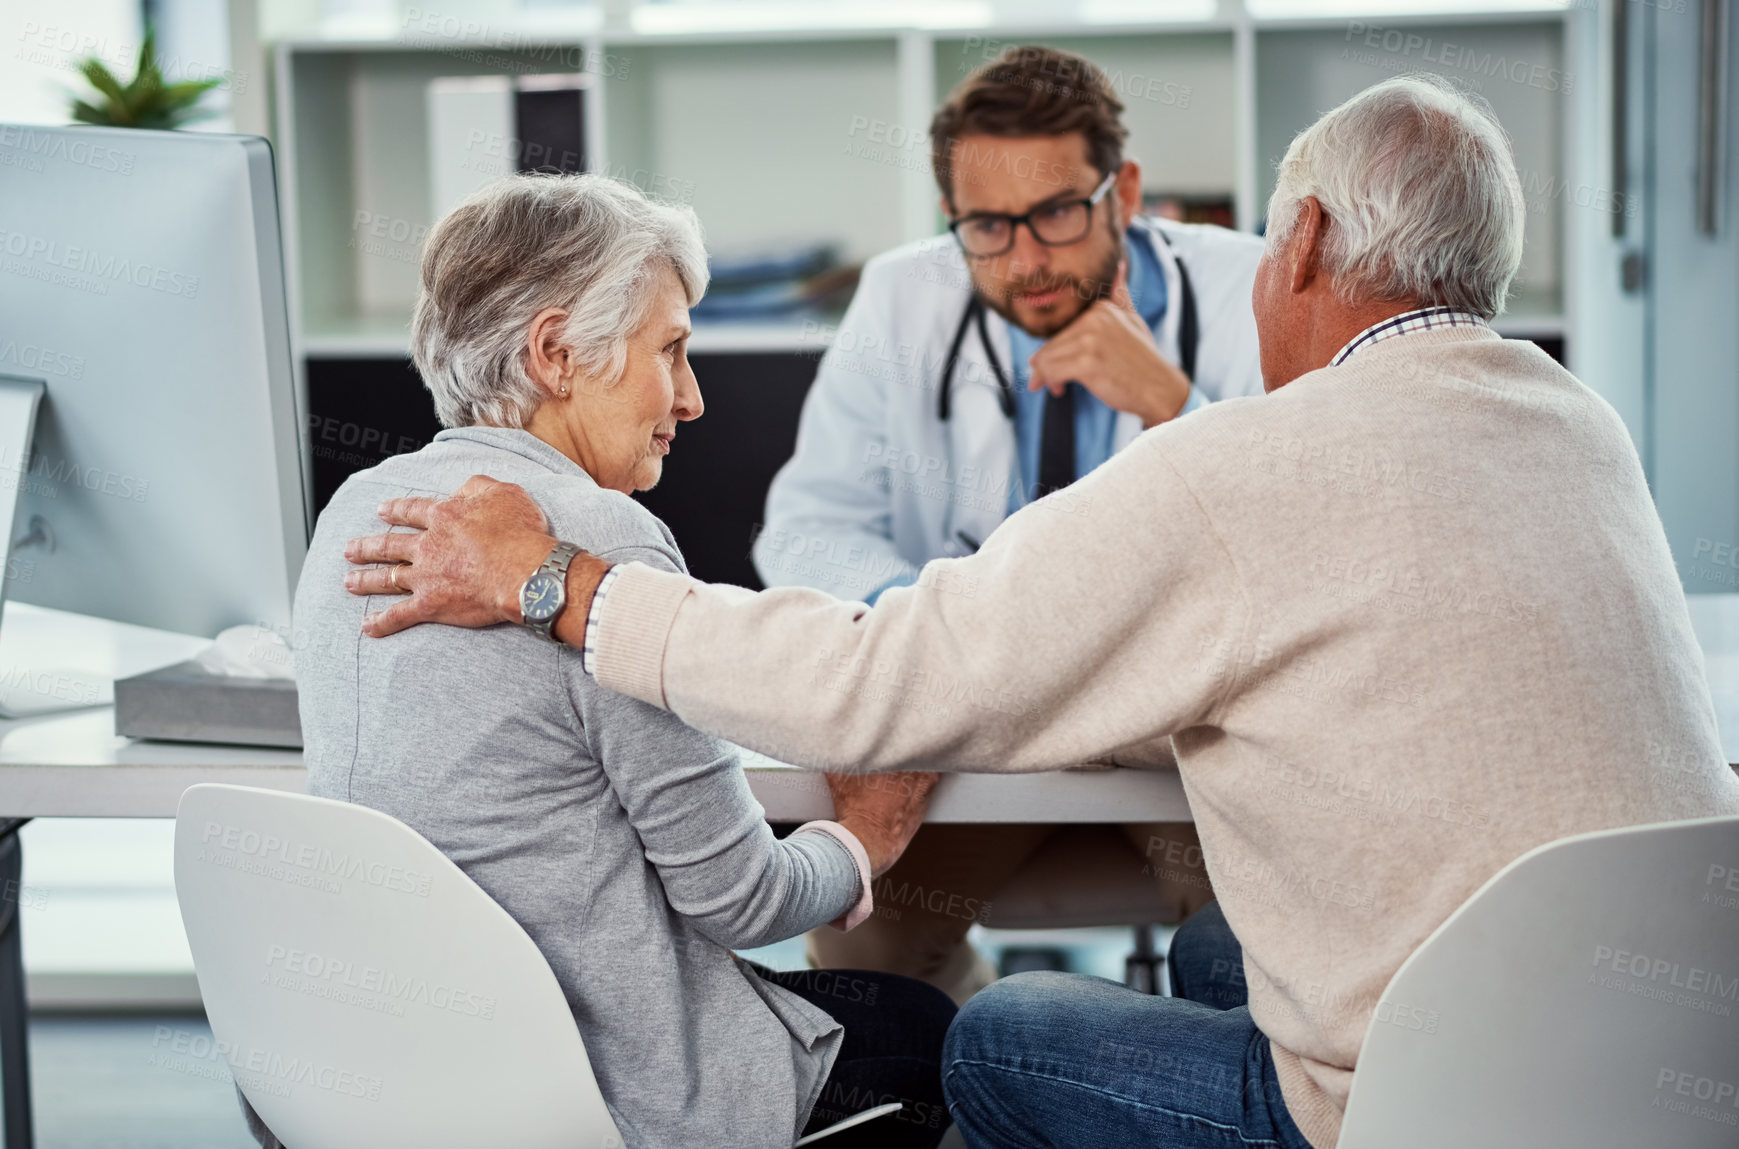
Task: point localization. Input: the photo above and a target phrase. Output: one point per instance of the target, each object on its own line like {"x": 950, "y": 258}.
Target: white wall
{"x": 1694, "y": 312}
{"x": 1605, "y": 321}
{"x": 193, "y": 44}
{"x": 41, "y": 43}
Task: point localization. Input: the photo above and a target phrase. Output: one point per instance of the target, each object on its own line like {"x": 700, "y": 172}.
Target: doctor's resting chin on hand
{"x": 1175, "y": 596}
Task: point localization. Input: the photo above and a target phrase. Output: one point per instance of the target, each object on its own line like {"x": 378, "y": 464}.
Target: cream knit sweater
{"x": 1402, "y": 621}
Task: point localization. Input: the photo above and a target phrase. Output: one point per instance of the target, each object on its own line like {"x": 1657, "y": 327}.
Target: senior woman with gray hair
{"x": 552, "y": 331}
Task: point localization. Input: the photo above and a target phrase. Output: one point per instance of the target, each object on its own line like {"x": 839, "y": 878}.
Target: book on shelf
{"x": 482, "y": 128}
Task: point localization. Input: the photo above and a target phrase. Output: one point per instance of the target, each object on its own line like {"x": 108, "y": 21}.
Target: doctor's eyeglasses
{"x": 984, "y": 234}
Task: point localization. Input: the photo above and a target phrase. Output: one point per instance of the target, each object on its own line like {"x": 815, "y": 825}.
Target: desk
{"x": 74, "y": 765}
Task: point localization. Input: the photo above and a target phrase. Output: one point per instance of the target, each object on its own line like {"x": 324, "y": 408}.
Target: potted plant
{"x": 145, "y": 102}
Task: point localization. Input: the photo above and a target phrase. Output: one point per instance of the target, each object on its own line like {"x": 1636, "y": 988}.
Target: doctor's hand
{"x": 883, "y": 810}
{"x": 1110, "y": 351}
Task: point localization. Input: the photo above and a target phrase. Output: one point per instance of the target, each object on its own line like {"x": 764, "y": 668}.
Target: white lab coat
{"x": 880, "y": 484}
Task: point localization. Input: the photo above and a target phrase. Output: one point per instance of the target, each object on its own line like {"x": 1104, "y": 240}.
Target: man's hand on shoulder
{"x": 463, "y": 562}
{"x": 1110, "y": 351}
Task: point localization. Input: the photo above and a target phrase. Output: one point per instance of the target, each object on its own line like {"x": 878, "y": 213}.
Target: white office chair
{"x": 1544, "y": 1013}
{"x": 364, "y": 992}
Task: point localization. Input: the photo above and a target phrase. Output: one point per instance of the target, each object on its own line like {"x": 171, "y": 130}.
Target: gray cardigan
{"x": 625, "y": 843}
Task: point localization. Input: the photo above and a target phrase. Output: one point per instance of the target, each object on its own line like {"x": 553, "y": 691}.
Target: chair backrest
{"x": 364, "y": 992}
{"x": 1587, "y": 995}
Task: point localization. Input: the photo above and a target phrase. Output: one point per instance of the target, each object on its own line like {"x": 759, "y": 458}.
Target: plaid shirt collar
{"x": 1424, "y": 319}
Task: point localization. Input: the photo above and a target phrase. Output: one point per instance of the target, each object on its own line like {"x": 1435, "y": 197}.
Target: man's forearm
{"x": 1018, "y": 658}
{"x": 584, "y": 574}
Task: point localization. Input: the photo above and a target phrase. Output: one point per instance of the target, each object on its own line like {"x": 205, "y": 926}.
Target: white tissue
{"x": 250, "y": 651}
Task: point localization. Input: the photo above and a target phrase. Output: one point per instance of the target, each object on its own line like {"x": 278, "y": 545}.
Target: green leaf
{"x": 188, "y": 91}
{"x": 148, "y": 51}
{"x": 145, "y": 96}
{"x": 85, "y": 114}
{"x": 102, "y": 79}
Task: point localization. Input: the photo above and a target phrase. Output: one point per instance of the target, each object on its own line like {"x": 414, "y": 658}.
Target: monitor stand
{"x": 29, "y": 691}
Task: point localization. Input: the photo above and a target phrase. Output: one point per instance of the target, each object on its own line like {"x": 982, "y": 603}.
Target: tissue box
{"x": 187, "y": 703}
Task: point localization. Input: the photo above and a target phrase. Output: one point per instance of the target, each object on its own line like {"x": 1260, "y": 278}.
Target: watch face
{"x": 541, "y": 597}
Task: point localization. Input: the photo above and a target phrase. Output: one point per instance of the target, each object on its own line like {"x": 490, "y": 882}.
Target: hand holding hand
{"x": 1110, "y": 351}
{"x": 883, "y": 810}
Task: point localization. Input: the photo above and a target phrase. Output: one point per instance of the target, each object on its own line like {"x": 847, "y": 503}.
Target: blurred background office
{"x": 797, "y": 130}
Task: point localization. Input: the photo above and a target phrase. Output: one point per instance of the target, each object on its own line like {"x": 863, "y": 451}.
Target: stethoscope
{"x": 1188, "y": 336}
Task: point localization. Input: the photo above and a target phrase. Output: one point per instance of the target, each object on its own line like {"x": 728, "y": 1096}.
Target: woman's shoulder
{"x": 607, "y": 523}
{"x": 435, "y": 470}
{"x": 438, "y": 468}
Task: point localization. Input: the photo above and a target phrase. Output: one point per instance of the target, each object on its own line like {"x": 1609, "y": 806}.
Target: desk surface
{"x": 75, "y": 765}
{"x": 72, "y": 765}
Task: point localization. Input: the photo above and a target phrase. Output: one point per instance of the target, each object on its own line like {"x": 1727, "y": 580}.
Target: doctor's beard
{"x": 1081, "y": 291}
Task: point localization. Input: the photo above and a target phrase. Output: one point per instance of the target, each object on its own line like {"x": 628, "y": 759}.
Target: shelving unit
{"x": 712, "y": 119}
{"x": 792, "y": 136}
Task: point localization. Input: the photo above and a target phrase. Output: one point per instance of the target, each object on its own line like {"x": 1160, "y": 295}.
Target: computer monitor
{"x": 142, "y": 298}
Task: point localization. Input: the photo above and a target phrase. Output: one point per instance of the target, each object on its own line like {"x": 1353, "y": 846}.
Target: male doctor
{"x": 975, "y": 372}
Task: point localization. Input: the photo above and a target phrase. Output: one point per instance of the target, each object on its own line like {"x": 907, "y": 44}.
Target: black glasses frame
{"x": 1015, "y": 222}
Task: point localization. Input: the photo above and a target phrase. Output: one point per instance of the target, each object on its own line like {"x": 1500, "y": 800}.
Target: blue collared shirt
{"x": 1095, "y": 421}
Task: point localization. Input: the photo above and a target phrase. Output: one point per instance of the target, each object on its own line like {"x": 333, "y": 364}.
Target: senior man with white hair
{"x": 1404, "y": 618}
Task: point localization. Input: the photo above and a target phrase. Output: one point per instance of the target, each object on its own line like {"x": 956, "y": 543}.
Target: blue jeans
{"x": 1062, "y": 1060}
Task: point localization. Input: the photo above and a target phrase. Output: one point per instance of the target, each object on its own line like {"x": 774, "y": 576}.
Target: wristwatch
{"x": 545, "y": 594}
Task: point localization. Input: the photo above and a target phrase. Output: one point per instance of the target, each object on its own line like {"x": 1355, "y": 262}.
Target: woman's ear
{"x": 548, "y": 360}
